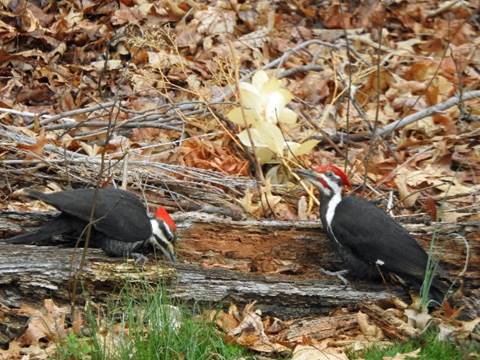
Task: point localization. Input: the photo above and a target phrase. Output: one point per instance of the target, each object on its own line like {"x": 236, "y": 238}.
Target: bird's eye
{"x": 329, "y": 174}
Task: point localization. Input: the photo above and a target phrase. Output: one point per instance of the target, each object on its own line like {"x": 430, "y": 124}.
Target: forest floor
{"x": 208, "y": 105}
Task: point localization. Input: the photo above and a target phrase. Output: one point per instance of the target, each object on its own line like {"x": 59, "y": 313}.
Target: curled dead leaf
{"x": 408, "y": 197}
{"x": 48, "y": 322}
{"x": 36, "y": 148}
{"x": 418, "y": 319}
{"x": 369, "y": 330}
{"x": 250, "y": 332}
{"x": 309, "y": 352}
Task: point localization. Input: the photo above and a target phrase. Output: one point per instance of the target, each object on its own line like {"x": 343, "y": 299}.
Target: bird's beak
{"x": 307, "y": 174}
{"x": 168, "y": 250}
{"x": 313, "y": 178}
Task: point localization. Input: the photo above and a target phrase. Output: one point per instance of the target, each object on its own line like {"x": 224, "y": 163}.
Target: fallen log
{"x": 30, "y": 274}
{"x": 274, "y": 263}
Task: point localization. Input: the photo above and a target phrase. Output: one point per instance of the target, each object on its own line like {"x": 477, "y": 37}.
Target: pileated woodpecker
{"x": 368, "y": 240}
{"x": 121, "y": 225}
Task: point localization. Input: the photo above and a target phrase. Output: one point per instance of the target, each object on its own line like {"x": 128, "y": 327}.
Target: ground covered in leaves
{"x": 208, "y": 105}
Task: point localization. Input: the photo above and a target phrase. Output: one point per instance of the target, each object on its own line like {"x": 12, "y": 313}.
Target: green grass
{"x": 148, "y": 315}
{"x": 431, "y": 349}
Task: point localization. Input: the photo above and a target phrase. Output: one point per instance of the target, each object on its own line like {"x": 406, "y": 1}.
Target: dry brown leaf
{"x": 450, "y": 312}
{"x": 210, "y": 155}
{"x": 36, "y": 148}
{"x": 308, "y": 352}
{"x": 110, "y": 338}
{"x": 225, "y": 321}
{"x": 418, "y": 319}
{"x": 127, "y": 15}
{"x": 77, "y": 322}
{"x": 246, "y": 202}
{"x": 407, "y": 196}
{"x": 444, "y": 332}
{"x": 214, "y": 21}
{"x": 48, "y": 322}
{"x": 251, "y": 322}
{"x": 369, "y": 330}
{"x": 91, "y": 151}
{"x": 103, "y": 65}
{"x": 430, "y": 207}
{"x": 250, "y": 332}
{"x": 469, "y": 326}
{"x": 426, "y": 126}
{"x": 458, "y": 330}
{"x": 457, "y": 188}
{"x": 13, "y": 351}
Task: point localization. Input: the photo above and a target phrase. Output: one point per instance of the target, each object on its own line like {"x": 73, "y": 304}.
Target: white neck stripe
{"x": 333, "y": 201}
{"x": 157, "y": 234}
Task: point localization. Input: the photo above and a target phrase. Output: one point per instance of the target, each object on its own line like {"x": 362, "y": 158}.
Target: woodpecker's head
{"x": 329, "y": 179}
{"x": 164, "y": 233}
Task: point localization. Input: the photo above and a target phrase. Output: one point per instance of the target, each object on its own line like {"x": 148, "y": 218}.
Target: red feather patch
{"x": 162, "y": 214}
{"x": 336, "y": 170}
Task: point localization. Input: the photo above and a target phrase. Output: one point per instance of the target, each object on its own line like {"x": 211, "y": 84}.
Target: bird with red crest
{"x": 369, "y": 241}
{"x": 121, "y": 224}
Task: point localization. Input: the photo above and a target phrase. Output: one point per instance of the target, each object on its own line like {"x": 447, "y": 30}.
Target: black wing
{"x": 119, "y": 214}
{"x": 372, "y": 235}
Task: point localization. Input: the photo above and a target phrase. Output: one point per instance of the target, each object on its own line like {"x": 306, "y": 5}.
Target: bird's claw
{"x": 339, "y": 274}
{"x": 140, "y": 259}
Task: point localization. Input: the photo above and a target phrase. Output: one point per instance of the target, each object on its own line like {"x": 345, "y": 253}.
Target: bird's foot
{"x": 140, "y": 259}
{"x": 339, "y": 274}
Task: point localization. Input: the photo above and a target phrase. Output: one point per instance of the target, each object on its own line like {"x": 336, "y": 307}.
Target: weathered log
{"x": 30, "y": 274}
{"x": 301, "y": 249}
{"x": 317, "y": 328}
{"x": 275, "y": 263}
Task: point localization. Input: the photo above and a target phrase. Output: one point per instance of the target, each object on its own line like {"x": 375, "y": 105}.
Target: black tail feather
{"x": 43, "y": 236}
{"x": 28, "y": 238}
{"x": 438, "y": 290}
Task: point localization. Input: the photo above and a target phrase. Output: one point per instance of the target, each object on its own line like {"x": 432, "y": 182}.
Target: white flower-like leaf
{"x": 305, "y": 147}
{"x": 263, "y": 153}
{"x": 259, "y": 78}
{"x": 264, "y": 99}
{"x": 270, "y": 144}
{"x": 263, "y": 108}
{"x": 287, "y": 116}
{"x": 274, "y": 106}
{"x": 236, "y": 115}
{"x": 271, "y": 136}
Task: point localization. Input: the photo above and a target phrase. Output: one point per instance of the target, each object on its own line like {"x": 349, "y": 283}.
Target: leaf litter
{"x": 172, "y": 87}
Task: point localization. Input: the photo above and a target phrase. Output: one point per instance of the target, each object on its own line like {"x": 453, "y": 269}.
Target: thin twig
{"x": 435, "y": 109}
{"x": 125, "y": 125}
{"x": 407, "y": 120}
{"x": 301, "y": 68}
{"x": 447, "y": 5}
{"x": 62, "y": 116}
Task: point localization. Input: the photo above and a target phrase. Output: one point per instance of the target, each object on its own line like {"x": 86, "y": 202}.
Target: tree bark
{"x": 274, "y": 263}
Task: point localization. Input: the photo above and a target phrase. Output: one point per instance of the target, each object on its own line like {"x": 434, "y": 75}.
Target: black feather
{"x": 371, "y": 236}
{"x": 43, "y": 236}
{"x": 121, "y": 225}
{"x": 118, "y": 213}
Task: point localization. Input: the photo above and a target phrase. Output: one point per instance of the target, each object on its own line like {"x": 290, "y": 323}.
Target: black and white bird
{"x": 120, "y": 225}
{"x": 368, "y": 240}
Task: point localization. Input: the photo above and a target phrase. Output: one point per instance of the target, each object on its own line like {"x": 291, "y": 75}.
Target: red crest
{"x": 162, "y": 214}
{"x": 336, "y": 170}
